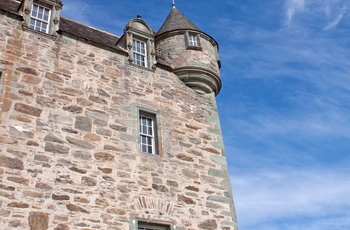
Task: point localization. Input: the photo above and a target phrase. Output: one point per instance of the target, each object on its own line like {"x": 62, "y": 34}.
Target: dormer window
{"x": 40, "y": 18}
{"x": 139, "y": 52}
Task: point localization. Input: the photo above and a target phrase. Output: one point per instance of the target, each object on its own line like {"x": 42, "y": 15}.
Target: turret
{"x": 191, "y": 53}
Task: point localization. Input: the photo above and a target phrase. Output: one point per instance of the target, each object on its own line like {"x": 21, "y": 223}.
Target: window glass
{"x": 139, "y": 52}
{"x": 147, "y": 133}
{"x": 39, "y": 18}
{"x": 192, "y": 40}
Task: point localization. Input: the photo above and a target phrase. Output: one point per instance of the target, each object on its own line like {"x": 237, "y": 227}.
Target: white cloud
{"x": 292, "y": 8}
{"x": 276, "y": 194}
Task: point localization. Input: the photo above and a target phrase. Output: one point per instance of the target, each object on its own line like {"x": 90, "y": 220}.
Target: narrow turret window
{"x": 147, "y": 133}
{"x": 139, "y": 52}
{"x": 40, "y": 18}
{"x": 192, "y": 40}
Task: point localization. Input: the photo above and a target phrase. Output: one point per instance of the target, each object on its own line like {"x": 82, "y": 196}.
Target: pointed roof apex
{"x": 174, "y": 4}
{"x": 176, "y": 21}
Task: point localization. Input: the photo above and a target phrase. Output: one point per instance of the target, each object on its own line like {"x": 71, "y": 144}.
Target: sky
{"x": 285, "y": 102}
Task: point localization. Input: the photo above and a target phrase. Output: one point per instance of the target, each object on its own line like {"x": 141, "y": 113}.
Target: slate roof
{"x": 176, "y": 21}
{"x": 72, "y": 27}
{"x": 89, "y": 33}
{"x": 9, "y": 6}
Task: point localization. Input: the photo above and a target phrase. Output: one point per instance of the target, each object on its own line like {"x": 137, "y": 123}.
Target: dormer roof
{"x": 176, "y": 21}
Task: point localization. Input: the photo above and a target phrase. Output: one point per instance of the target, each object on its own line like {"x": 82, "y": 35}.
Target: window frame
{"x": 190, "y": 43}
{"x": 135, "y": 52}
{"x": 2, "y": 80}
{"x": 36, "y": 19}
{"x": 154, "y": 136}
{"x": 152, "y": 226}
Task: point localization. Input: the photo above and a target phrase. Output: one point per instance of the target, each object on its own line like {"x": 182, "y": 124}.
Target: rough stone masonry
{"x": 69, "y": 138}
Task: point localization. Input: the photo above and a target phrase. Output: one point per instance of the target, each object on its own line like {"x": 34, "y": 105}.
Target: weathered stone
{"x": 73, "y": 109}
{"x": 32, "y": 143}
{"x": 81, "y": 200}
{"x": 108, "y": 178}
{"x": 116, "y": 211}
{"x": 26, "y": 93}
{"x": 61, "y": 117}
{"x": 51, "y": 138}
{"x": 217, "y": 173}
{"x": 83, "y": 123}
{"x": 18, "y": 180}
{"x": 123, "y": 189}
{"x": 34, "y": 194}
{"x": 195, "y": 141}
{"x": 75, "y": 208}
{"x": 102, "y": 93}
{"x": 75, "y": 169}
{"x": 185, "y": 158}
{"x": 172, "y": 183}
{"x": 27, "y": 109}
{"x": 190, "y": 173}
{"x": 186, "y": 145}
{"x": 119, "y": 128}
{"x": 54, "y": 77}
{"x": 192, "y": 188}
{"x": 15, "y": 223}
{"x": 69, "y": 130}
{"x": 104, "y": 132}
{"x": 59, "y": 197}
{"x": 12, "y": 163}
{"x": 167, "y": 95}
{"x": 56, "y": 148}
{"x": 92, "y": 137}
{"x": 81, "y": 155}
{"x": 185, "y": 199}
{"x": 8, "y": 188}
{"x": 28, "y": 70}
{"x": 160, "y": 188}
{"x": 97, "y": 100}
{"x": 208, "y": 224}
{"x": 111, "y": 147}
{"x": 101, "y": 202}
{"x": 106, "y": 170}
{"x": 31, "y": 79}
{"x": 19, "y": 131}
{"x": 80, "y": 143}
{"x": 45, "y": 101}
{"x": 101, "y": 156}
{"x": 89, "y": 181}
{"x": 43, "y": 186}
{"x": 61, "y": 227}
{"x": 18, "y": 205}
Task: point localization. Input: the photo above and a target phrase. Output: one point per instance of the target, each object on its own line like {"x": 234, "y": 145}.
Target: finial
{"x": 174, "y": 4}
{"x": 138, "y": 16}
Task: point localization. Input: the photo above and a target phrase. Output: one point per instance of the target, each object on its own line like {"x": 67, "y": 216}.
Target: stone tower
{"x": 99, "y": 131}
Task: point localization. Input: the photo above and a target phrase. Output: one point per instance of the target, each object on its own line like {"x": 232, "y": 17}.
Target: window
{"x": 40, "y": 18}
{"x": 139, "y": 52}
{"x": 149, "y": 226}
{"x": 2, "y": 77}
{"x": 192, "y": 40}
{"x": 147, "y": 133}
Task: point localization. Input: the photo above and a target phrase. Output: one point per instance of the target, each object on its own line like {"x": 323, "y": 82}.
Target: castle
{"x": 99, "y": 131}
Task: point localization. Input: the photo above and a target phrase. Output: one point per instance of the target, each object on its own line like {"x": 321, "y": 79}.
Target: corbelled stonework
{"x": 69, "y": 156}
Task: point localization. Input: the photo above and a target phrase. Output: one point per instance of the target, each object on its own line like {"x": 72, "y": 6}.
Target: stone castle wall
{"x": 69, "y": 152}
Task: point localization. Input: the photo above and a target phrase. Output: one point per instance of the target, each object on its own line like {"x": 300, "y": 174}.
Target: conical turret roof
{"x": 177, "y": 21}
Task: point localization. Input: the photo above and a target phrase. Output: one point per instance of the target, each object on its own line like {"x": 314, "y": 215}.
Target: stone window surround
{"x": 157, "y": 224}
{"x": 155, "y": 139}
{"x": 150, "y": 56}
{"x": 54, "y": 7}
{"x": 2, "y": 79}
{"x": 188, "y": 34}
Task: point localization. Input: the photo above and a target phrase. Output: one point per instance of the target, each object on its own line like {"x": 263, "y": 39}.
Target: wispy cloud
{"x": 301, "y": 199}
{"x": 293, "y": 7}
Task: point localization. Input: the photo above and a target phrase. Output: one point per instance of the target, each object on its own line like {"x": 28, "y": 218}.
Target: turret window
{"x": 192, "y": 40}
{"x": 40, "y": 18}
{"x": 149, "y": 226}
{"x": 139, "y": 52}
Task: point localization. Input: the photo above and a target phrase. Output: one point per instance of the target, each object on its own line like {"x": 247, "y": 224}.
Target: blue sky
{"x": 284, "y": 105}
